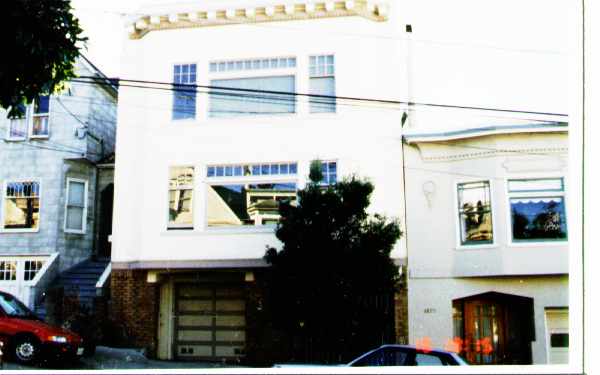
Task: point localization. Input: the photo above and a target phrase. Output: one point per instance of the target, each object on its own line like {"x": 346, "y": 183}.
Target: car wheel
{"x": 26, "y": 350}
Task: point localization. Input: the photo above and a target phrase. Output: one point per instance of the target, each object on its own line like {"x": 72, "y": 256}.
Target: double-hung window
{"x": 21, "y": 205}
{"x": 17, "y": 127}
{"x": 184, "y": 94}
{"x": 76, "y": 206}
{"x": 475, "y": 213}
{"x": 35, "y": 121}
{"x": 322, "y": 83}
{"x": 40, "y": 117}
{"x": 181, "y": 190}
{"x": 262, "y": 87}
{"x": 537, "y": 209}
{"x": 249, "y": 194}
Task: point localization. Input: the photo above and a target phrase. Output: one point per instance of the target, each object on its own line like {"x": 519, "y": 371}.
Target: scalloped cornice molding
{"x": 373, "y": 10}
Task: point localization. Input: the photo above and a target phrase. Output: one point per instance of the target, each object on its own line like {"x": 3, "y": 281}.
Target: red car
{"x": 28, "y": 339}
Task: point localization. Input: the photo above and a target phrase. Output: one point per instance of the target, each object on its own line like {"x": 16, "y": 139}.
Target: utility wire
{"x": 183, "y": 87}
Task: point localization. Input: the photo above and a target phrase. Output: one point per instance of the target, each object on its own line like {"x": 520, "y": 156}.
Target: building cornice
{"x": 285, "y": 11}
{"x": 550, "y": 127}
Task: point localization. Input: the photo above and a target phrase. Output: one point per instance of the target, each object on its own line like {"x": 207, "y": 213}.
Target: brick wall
{"x": 134, "y": 310}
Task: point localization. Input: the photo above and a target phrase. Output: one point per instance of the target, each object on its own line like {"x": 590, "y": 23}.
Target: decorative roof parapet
{"x": 373, "y": 10}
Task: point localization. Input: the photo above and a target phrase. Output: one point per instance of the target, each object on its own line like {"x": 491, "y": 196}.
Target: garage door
{"x": 210, "y": 322}
{"x": 557, "y": 326}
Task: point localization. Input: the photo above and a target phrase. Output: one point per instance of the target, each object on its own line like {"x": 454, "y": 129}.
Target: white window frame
{"x": 180, "y": 121}
{"x": 85, "y": 206}
{"x": 29, "y": 118}
{"x": 563, "y": 194}
{"x": 253, "y": 73}
{"x": 33, "y": 116}
{"x": 456, "y": 214}
{"x": 16, "y": 262}
{"x": 238, "y": 180}
{"x": 2, "y": 213}
{"x": 26, "y": 117}
{"x": 182, "y": 227}
{"x": 335, "y": 101}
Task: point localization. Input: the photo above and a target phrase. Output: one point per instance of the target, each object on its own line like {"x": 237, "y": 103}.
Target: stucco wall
{"x": 430, "y": 304}
{"x": 363, "y": 137}
{"x": 433, "y": 170}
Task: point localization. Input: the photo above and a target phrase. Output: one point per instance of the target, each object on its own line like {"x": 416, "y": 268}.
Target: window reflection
{"x": 247, "y": 204}
{"x": 475, "y": 212}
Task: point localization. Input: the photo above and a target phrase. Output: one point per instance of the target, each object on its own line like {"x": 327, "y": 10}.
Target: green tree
{"x": 41, "y": 54}
{"x": 335, "y": 259}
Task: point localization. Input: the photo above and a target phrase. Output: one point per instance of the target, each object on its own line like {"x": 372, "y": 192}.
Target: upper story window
{"x": 537, "y": 209}
{"x": 475, "y": 213}
{"x": 322, "y": 82}
{"x": 40, "y": 117}
{"x": 329, "y": 170}
{"x": 250, "y": 197}
{"x": 76, "y": 206}
{"x": 17, "y": 127}
{"x": 184, "y": 94}
{"x": 257, "y": 94}
{"x": 237, "y": 170}
{"x": 252, "y": 64}
{"x": 181, "y": 190}
{"x": 21, "y": 205}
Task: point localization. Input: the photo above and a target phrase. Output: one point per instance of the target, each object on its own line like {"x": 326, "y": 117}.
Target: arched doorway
{"x": 105, "y": 224}
{"x": 495, "y": 328}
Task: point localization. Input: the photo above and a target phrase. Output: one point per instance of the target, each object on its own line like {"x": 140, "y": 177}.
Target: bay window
{"x": 475, "y": 213}
{"x": 537, "y": 209}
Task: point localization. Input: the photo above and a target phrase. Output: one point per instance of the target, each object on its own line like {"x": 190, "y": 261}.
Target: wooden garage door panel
{"x": 188, "y": 291}
{"x": 230, "y": 320}
{"x": 184, "y": 351}
{"x": 194, "y": 335}
{"x": 230, "y": 305}
{"x": 195, "y": 305}
{"x": 210, "y": 322}
{"x": 195, "y": 320}
{"x": 231, "y": 335}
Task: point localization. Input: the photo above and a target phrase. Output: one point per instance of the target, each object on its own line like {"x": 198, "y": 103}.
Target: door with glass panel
{"x": 210, "y": 322}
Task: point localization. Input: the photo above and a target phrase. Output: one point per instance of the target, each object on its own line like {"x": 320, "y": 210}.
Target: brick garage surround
{"x": 134, "y": 309}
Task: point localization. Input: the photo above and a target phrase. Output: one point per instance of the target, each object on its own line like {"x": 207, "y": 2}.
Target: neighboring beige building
{"x": 487, "y": 235}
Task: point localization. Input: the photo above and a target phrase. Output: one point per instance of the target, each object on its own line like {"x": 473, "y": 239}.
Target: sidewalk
{"x": 107, "y": 358}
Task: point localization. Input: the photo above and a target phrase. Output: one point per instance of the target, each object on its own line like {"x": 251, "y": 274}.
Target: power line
{"x": 367, "y": 36}
{"x": 183, "y": 88}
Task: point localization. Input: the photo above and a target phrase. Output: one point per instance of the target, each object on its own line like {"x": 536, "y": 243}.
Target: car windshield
{"x": 13, "y": 307}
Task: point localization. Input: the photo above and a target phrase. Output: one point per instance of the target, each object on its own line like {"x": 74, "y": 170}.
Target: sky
{"x": 504, "y": 51}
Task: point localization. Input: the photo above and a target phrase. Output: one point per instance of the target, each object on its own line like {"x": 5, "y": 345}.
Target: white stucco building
{"x": 199, "y": 172}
